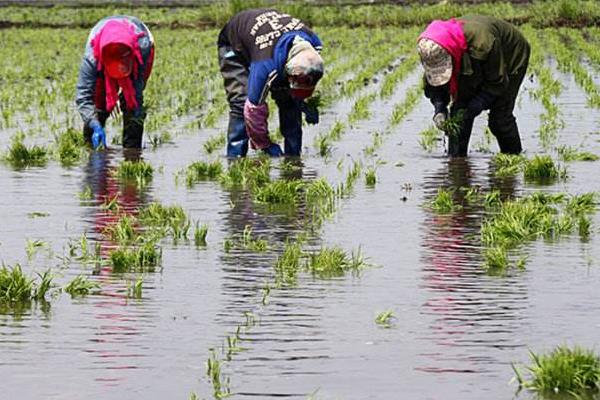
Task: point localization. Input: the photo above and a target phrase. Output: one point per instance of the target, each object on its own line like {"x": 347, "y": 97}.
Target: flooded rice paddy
{"x": 456, "y": 327}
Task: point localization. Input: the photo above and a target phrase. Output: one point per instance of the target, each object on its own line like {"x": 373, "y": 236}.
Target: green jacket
{"x": 496, "y": 50}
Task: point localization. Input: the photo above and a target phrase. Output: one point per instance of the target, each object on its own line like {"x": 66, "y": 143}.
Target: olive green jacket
{"x": 496, "y": 50}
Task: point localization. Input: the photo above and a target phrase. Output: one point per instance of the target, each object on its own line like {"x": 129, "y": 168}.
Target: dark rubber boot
{"x": 237, "y": 139}
{"x": 506, "y": 131}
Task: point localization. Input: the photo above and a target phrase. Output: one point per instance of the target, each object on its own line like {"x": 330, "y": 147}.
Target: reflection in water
{"x": 469, "y": 308}
{"x": 118, "y": 323}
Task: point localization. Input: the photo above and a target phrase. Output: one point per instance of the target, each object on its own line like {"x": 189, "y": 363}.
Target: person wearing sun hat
{"x": 474, "y": 63}
{"x": 116, "y": 65}
{"x": 262, "y": 51}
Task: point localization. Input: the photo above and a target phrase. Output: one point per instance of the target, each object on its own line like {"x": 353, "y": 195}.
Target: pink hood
{"x": 122, "y": 32}
{"x": 450, "y": 35}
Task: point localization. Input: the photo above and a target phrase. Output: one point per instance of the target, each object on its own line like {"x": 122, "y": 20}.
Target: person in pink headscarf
{"x": 474, "y": 63}
{"x": 116, "y": 65}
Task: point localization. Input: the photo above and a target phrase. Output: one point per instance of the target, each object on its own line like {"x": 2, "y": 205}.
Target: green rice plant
{"x": 584, "y": 223}
{"x": 123, "y": 231}
{"x": 443, "y": 202}
{"x": 582, "y": 204}
{"x": 158, "y": 140}
{"x": 572, "y": 372}
{"x": 111, "y": 204}
{"x": 70, "y": 147}
{"x": 200, "y": 232}
{"x": 32, "y": 246}
{"x": 214, "y": 142}
{"x": 345, "y": 189}
{"x": 249, "y": 242}
{"x": 227, "y": 245}
{"x": 360, "y": 108}
{"x": 336, "y": 131}
{"x": 492, "y": 199}
{"x": 401, "y": 110}
{"x": 134, "y": 289}
{"x": 139, "y": 171}
{"x": 265, "y": 296}
{"x": 428, "y": 138}
{"x": 567, "y": 153}
{"x": 330, "y": 262}
{"x": 507, "y": 164}
{"x": 323, "y": 145}
{"x": 320, "y": 199}
{"x": 81, "y": 286}
{"x": 44, "y": 286}
{"x": 385, "y": 318}
{"x": 280, "y": 192}
{"x": 15, "y": 286}
{"x": 213, "y": 371}
{"x": 37, "y": 214}
{"x": 142, "y": 258}
{"x": 375, "y": 145}
{"x": 170, "y": 220}
{"x": 201, "y": 170}
{"x": 371, "y": 177}
{"x": 542, "y": 169}
{"x": 496, "y": 258}
{"x": 247, "y": 172}
{"x": 20, "y": 156}
{"x": 288, "y": 264}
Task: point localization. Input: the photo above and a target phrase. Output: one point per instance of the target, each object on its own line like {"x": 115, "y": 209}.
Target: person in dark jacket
{"x": 118, "y": 56}
{"x": 477, "y": 63}
{"x": 262, "y": 51}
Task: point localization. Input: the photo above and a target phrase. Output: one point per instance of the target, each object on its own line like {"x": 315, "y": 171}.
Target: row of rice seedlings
{"x": 567, "y": 153}
{"x": 428, "y": 138}
{"x": 324, "y": 142}
{"x": 214, "y": 143}
{"x": 548, "y": 91}
{"x": 376, "y": 142}
{"x": 360, "y": 108}
{"x": 401, "y": 110}
{"x": 391, "y": 80}
{"x": 571, "y": 372}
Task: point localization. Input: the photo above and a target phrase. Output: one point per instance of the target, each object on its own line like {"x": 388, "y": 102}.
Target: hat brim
{"x": 301, "y": 93}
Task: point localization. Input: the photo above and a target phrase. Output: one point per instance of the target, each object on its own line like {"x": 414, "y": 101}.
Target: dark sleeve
{"x": 438, "y": 95}
{"x": 86, "y": 86}
{"x": 494, "y": 71}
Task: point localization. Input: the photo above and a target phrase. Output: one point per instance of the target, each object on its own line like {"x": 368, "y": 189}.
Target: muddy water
{"x": 457, "y": 329}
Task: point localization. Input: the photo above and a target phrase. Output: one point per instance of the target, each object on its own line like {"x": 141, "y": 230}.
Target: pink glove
{"x": 255, "y": 117}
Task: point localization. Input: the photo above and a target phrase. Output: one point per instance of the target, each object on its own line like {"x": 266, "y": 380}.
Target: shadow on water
{"x": 469, "y": 307}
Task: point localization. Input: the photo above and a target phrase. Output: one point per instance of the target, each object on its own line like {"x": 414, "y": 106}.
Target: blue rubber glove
{"x": 98, "y": 137}
{"x": 311, "y": 114}
{"x": 482, "y": 101}
{"x": 274, "y": 150}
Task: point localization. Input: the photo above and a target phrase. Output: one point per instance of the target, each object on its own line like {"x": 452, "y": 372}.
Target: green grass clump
{"x": 200, "y": 232}
{"x": 20, "y": 156}
{"x": 542, "y": 169}
{"x": 567, "y": 153}
{"x": 139, "y": 171}
{"x": 370, "y": 177}
{"x": 81, "y": 286}
{"x": 507, "y": 164}
{"x": 385, "y": 318}
{"x": 134, "y": 289}
{"x": 202, "y": 170}
{"x": 428, "y": 138}
{"x": 249, "y": 242}
{"x": 496, "y": 258}
{"x": 288, "y": 264}
{"x": 140, "y": 259}
{"x": 170, "y": 220}
{"x": 247, "y": 172}
{"x": 16, "y": 287}
{"x": 280, "y": 192}
{"x": 323, "y": 144}
{"x": 330, "y": 262}
{"x": 572, "y": 372}
{"x": 124, "y": 231}
{"x": 213, "y": 143}
{"x": 443, "y": 202}
{"x": 70, "y": 147}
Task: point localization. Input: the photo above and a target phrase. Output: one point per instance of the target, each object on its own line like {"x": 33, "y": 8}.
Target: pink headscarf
{"x": 122, "y": 32}
{"x": 449, "y": 34}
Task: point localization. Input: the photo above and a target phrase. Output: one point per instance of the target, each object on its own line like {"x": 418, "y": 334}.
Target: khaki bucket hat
{"x": 436, "y": 61}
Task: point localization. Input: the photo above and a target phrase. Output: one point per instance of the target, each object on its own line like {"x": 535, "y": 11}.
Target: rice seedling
{"x": 542, "y": 169}
{"x": 158, "y": 140}
{"x": 139, "y": 171}
{"x": 496, "y": 258}
{"x": 32, "y": 246}
{"x": 265, "y": 296}
{"x": 213, "y": 371}
{"x": 573, "y": 372}
{"x": 582, "y": 204}
{"x": 81, "y": 286}
{"x": 142, "y": 258}
{"x": 124, "y": 231}
{"x": 288, "y": 264}
{"x": 567, "y": 153}
{"x": 583, "y": 226}
{"x": 200, "y": 232}
{"x": 323, "y": 145}
{"x": 280, "y": 192}
{"x": 507, "y": 164}
{"x": 492, "y": 199}
{"x": 376, "y": 144}
{"x": 214, "y": 142}
{"x": 428, "y": 138}
{"x": 331, "y": 262}
{"x": 385, "y": 318}
{"x": 44, "y": 286}
{"x": 370, "y": 177}
{"x": 134, "y": 289}
{"x": 400, "y": 111}
{"x": 360, "y": 108}
{"x": 37, "y": 214}
{"x": 227, "y": 245}
{"x": 247, "y": 172}
{"x": 250, "y": 320}
{"x": 70, "y": 147}
{"x": 249, "y": 242}
{"x": 443, "y": 202}
{"x": 15, "y": 286}
{"x": 111, "y": 204}
{"x": 201, "y": 170}
{"x": 171, "y": 220}
{"x": 20, "y": 156}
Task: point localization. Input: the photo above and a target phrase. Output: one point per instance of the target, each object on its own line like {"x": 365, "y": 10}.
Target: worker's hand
{"x": 98, "y": 135}
{"x": 274, "y": 150}
{"x": 439, "y": 119}
{"x": 311, "y": 114}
